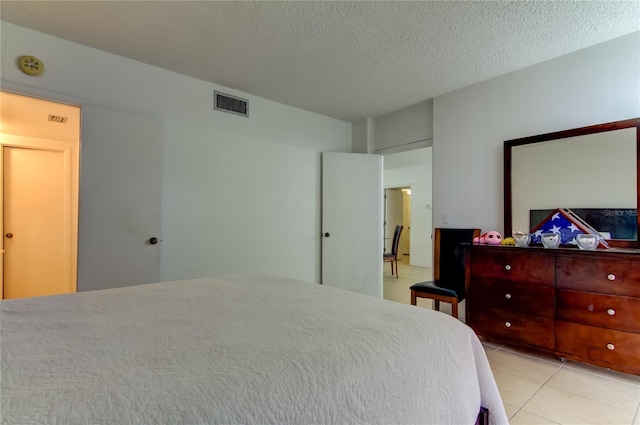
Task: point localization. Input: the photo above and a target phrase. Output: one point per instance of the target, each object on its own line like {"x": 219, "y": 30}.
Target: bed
{"x": 238, "y": 350}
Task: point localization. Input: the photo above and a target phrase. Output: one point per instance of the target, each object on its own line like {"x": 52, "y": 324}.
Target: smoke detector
{"x": 30, "y": 65}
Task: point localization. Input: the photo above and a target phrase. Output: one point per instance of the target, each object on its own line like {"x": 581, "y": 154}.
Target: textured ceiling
{"x": 348, "y": 60}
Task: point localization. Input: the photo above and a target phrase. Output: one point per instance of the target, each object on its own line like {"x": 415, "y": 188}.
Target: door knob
{"x": 153, "y": 241}
{"x": 9, "y": 235}
{"x": 326, "y": 235}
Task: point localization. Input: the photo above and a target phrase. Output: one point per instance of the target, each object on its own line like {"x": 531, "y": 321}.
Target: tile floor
{"x": 539, "y": 389}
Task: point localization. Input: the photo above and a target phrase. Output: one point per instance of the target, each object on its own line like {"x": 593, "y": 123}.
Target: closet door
{"x": 120, "y": 199}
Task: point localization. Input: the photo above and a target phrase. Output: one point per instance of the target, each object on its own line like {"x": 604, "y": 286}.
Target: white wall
{"x": 418, "y": 176}
{"x": 239, "y": 195}
{"x": 359, "y": 136}
{"x": 591, "y": 86}
{"x": 405, "y": 129}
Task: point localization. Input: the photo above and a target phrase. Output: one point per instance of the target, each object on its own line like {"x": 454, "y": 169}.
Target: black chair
{"x": 392, "y": 256}
{"x": 448, "y": 269}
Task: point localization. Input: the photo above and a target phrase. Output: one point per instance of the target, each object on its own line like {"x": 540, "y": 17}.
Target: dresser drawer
{"x": 617, "y": 277}
{"x": 607, "y": 311}
{"x": 618, "y": 348}
{"x": 509, "y": 264}
{"x": 514, "y": 327}
{"x": 510, "y": 295}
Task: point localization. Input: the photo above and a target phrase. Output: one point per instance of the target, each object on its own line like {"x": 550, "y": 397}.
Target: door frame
{"x": 71, "y": 155}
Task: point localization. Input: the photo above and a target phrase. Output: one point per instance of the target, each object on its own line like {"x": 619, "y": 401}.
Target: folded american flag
{"x": 567, "y": 223}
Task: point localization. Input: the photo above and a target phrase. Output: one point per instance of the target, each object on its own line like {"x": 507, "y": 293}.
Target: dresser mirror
{"x": 594, "y": 171}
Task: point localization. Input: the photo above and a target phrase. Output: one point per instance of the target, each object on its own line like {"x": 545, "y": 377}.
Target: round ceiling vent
{"x": 30, "y": 65}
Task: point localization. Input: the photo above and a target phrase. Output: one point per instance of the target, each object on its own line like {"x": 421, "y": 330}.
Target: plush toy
{"x": 508, "y": 242}
{"x": 489, "y": 238}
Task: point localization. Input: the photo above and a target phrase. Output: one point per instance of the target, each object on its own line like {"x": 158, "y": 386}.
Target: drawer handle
{"x": 611, "y": 312}
{"x": 507, "y": 324}
{"x": 611, "y": 347}
{"x": 507, "y": 267}
{"x": 611, "y": 276}
{"x": 507, "y": 296}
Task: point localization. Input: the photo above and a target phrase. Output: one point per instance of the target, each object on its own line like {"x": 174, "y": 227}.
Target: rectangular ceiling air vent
{"x": 232, "y": 104}
{"x": 57, "y": 118}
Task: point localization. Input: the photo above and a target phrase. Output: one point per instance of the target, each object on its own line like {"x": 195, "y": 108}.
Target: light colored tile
{"x": 569, "y": 408}
{"x": 397, "y": 289}
{"x": 489, "y": 343}
{"x": 597, "y": 387}
{"x": 489, "y": 348}
{"x": 511, "y": 410}
{"x": 515, "y": 390}
{"x": 613, "y": 374}
{"x": 526, "y": 418}
{"x": 525, "y": 366}
{"x": 535, "y": 354}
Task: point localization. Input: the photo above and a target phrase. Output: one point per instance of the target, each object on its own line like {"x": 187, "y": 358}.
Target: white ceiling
{"x": 348, "y": 59}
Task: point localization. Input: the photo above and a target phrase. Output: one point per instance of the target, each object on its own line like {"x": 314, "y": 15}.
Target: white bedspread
{"x": 238, "y": 350}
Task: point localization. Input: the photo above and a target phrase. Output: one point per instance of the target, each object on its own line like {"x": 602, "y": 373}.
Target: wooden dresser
{"x": 580, "y": 305}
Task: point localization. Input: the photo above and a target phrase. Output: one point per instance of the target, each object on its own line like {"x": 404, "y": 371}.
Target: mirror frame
{"x": 600, "y": 128}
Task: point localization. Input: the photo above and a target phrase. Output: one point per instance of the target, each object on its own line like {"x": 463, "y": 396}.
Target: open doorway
{"x": 40, "y": 143}
{"x": 404, "y": 172}
{"x": 411, "y": 171}
{"x": 398, "y": 212}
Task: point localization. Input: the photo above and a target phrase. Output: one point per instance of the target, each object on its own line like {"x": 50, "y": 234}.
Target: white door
{"x": 352, "y": 222}
{"x": 36, "y": 214}
{"x": 120, "y": 199}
